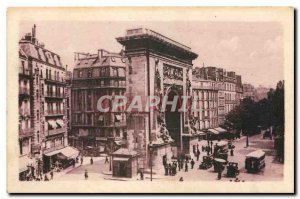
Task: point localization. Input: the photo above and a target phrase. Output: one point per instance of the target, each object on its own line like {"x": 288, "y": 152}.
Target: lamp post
{"x": 150, "y": 151}
{"x": 110, "y": 151}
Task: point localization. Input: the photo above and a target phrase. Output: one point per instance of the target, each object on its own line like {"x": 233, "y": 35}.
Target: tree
{"x": 244, "y": 117}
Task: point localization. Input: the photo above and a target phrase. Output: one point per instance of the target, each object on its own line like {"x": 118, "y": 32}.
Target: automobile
{"x": 255, "y": 161}
{"x": 206, "y": 163}
{"x": 221, "y": 150}
{"x": 232, "y": 169}
{"x": 219, "y": 164}
{"x": 267, "y": 134}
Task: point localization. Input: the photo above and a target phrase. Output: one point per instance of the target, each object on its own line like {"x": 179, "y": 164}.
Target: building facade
{"x": 249, "y": 91}
{"x": 94, "y": 76}
{"x": 205, "y": 95}
{"x": 227, "y": 84}
{"x": 44, "y": 108}
{"x": 229, "y": 79}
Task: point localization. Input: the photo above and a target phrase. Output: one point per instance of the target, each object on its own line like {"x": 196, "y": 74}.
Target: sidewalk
{"x": 86, "y": 161}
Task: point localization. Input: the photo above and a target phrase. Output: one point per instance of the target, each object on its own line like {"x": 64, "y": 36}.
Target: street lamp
{"x": 150, "y": 151}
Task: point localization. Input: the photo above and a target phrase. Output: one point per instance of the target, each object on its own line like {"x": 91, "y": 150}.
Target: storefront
{"x": 222, "y": 133}
{"x": 26, "y": 166}
{"x": 59, "y": 159}
{"x": 125, "y": 163}
{"x": 213, "y": 134}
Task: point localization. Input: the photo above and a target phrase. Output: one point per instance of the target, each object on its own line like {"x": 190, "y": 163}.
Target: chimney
{"x": 34, "y": 34}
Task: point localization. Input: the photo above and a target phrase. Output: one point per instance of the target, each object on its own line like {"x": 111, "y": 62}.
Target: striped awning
{"x": 52, "y": 123}
{"x": 60, "y": 122}
{"x": 213, "y": 131}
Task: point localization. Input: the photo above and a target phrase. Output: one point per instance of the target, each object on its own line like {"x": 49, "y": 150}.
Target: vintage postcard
{"x": 150, "y": 100}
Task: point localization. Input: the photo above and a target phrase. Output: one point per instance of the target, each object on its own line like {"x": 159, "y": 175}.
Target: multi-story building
{"x": 261, "y": 92}
{"x": 26, "y": 132}
{"x": 248, "y": 91}
{"x": 205, "y": 95}
{"x": 94, "y": 76}
{"x": 230, "y": 90}
{"x": 46, "y": 86}
{"x": 68, "y": 93}
{"x": 239, "y": 89}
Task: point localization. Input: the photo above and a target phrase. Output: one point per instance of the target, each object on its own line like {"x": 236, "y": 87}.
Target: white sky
{"x": 251, "y": 49}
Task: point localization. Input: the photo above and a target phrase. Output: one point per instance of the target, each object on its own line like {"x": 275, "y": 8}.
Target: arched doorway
{"x": 173, "y": 119}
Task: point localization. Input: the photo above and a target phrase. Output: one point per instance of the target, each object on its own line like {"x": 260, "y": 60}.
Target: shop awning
{"x": 120, "y": 159}
{"x": 24, "y": 162}
{"x": 118, "y": 117}
{"x": 120, "y": 142}
{"x": 200, "y": 133}
{"x": 213, "y": 131}
{"x": 60, "y": 123}
{"x": 52, "y": 123}
{"x": 68, "y": 151}
{"x": 221, "y": 130}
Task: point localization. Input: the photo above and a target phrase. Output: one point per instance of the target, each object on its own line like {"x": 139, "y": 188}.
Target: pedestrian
{"x": 170, "y": 169}
{"x": 46, "y": 178}
{"x": 51, "y": 175}
{"x": 192, "y": 164}
{"x": 86, "y": 174}
{"x": 198, "y": 154}
{"x": 81, "y": 160}
{"x": 141, "y": 175}
{"x": 211, "y": 150}
{"x": 231, "y": 152}
{"x": 174, "y": 169}
{"x": 186, "y": 167}
{"x": 211, "y": 143}
{"x": 207, "y": 149}
{"x": 77, "y": 159}
{"x": 202, "y": 148}
{"x": 181, "y": 179}
{"x": 197, "y": 146}
{"x": 92, "y": 161}
{"x": 106, "y": 160}
{"x": 166, "y": 169}
{"x": 219, "y": 174}
{"x": 194, "y": 149}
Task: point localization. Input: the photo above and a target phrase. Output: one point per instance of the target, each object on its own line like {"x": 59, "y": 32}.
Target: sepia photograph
{"x": 150, "y": 100}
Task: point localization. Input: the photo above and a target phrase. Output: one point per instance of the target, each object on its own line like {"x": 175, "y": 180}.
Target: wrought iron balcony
{"x": 55, "y": 131}
{"x": 24, "y": 91}
{"x": 26, "y": 132}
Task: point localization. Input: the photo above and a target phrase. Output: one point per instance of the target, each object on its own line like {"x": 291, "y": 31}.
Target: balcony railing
{"x": 24, "y": 111}
{"x": 230, "y": 101}
{"x": 51, "y": 113}
{"x": 53, "y": 79}
{"x": 56, "y": 131}
{"x": 26, "y": 132}
{"x": 114, "y": 124}
{"x": 54, "y": 95}
{"x": 24, "y": 91}
{"x": 24, "y": 71}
